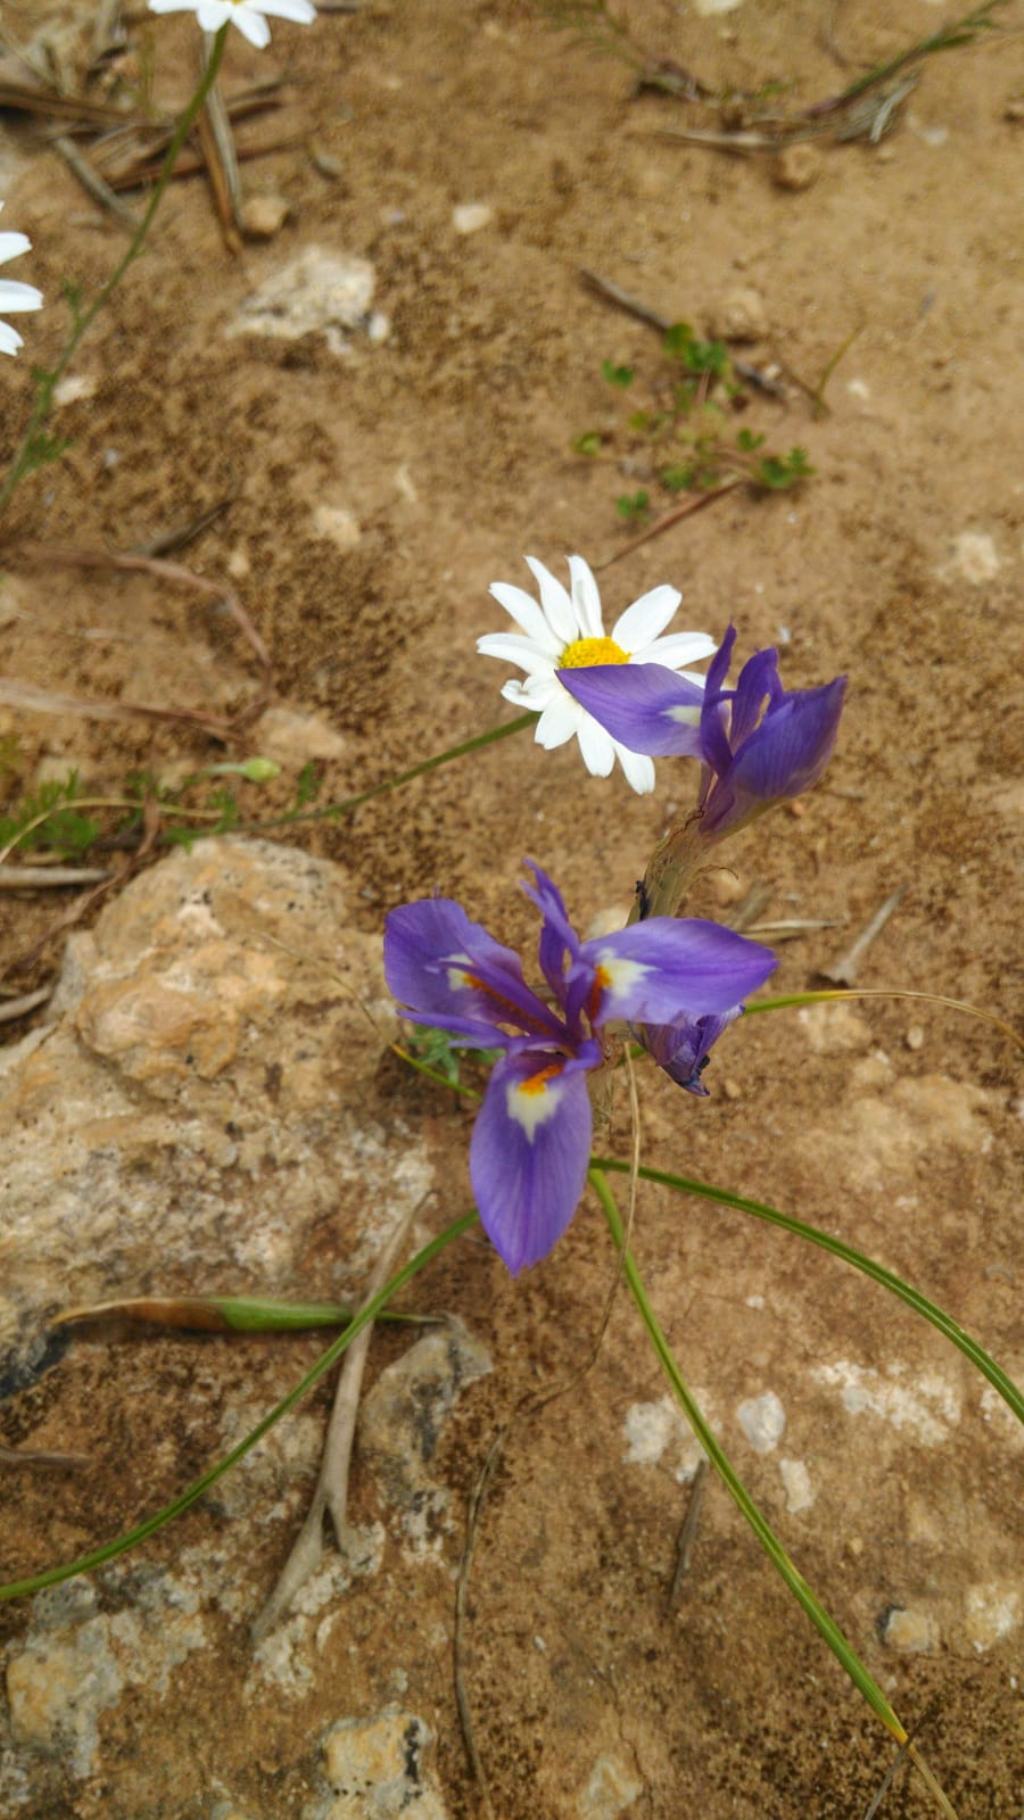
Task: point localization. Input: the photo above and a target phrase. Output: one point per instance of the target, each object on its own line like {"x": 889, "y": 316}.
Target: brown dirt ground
{"x": 450, "y": 444}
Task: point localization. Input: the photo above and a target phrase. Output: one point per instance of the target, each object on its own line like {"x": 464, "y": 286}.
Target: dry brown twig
{"x": 330, "y": 1498}
{"x": 843, "y": 971}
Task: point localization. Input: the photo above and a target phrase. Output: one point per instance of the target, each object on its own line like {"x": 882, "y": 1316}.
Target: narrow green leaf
{"x": 108, "y": 1551}
{"x": 944, "y": 1323}
{"x": 845, "y": 1654}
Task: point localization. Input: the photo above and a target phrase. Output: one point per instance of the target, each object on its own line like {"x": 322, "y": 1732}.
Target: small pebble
{"x": 763, "y": 1421}
{"x": 915, "y": 1037}
{"x": 732, "y": 1089}
{"x": 796, "y": 167}
{"x": 740, "y": 315}
{"x": 470, "y": 217}
{"x": 261, "y": 217}
{"x": 910, "y": 1632}
{"x": 1014, "y": 109}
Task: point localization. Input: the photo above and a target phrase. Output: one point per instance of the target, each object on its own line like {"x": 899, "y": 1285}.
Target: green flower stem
{"x": 943, "y": 1322}
{"x": 828, "y": 993}
{"x": 1012, "y": 1396}
{"x": 23, "y": 460}
{"x": 98, "y": 1557}
{"x": 798, "y": 1586}
{"x": 330, "y": 810}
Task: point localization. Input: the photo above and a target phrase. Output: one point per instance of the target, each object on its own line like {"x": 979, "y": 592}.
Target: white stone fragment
{"x": 763, "y": 1421}
{"x": 611, "y": 1789}
{"x": 470, "y": 217}
{"x": 993, "y": 1611}
{"x": 975, "y": 557}
{"x": 928, "y": 1406}
{"x": 318, "y": 291}
{"x": 796, "y": 1481}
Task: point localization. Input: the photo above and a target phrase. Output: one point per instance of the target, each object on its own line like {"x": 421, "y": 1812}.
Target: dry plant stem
{"x": 530, "y": 1405}
{"x": 62, "y": 1462}
{"x": 218, "y": 148}
{"x": 25, "y": 456}
{"x": 843, "y": 972}
{"x": 133, "y": 562}
{"x": 95, "y": 185}
{"x": 331, "y": 1494}
{"x": 42, "y": 878}
{"x": 669, "y": 519}
{"x": 13, "y": 1008}
{"x": 676, "y": 861}
{"x": 688, "y": 1532}
{"x": 32, "y": 700}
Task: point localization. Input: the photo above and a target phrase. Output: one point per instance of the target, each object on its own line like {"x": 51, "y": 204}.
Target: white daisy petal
{"x": 639, "y": 769}
{"x": 10, "y": 340}
{"x": 679, "y": 648}
{"x": 251, "y": 24}
{"x": 597, "y": 747}
{"x": 586, "y": 598}
{"x": 19, "y": 296}
{"x": 298, "y": 11}
{"x": 13, "y": 245}
{"x": 646, "y": 618}
{"x": 559, "y": 721}
{"x": 558, "y": 608}
{"x": 512, "y": 648}
{"x": 527, "y": 615}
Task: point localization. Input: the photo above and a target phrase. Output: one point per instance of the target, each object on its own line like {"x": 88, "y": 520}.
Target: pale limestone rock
{"x": 264, "y": 216}
{"x": 657, "y": 1434}
{"x": 77, "y": 1661}
{"x": 400, "y": 1422}
{"x": 318, "y": 292}
{"x": 928, "y": 1406}
{"x": 610, "y": 1790}
{"x": 337, "y": 524}
{"x": 470, "y": 217}
{"x": 293, "y": 737}
{"x": 975, "y": 557}
{"x": 834, "y": 1029}
{"x": 740, "y": 315}
{"x": 763, "y": 1421}
{"x": 993, "y": 1611}
{"x": 796, "y": 1482}
{"x": 380, "y": 1768}
{"x": 217, "y": 1024}
{"x": 796, "y": 167}
{"x": 911, "y": 1632}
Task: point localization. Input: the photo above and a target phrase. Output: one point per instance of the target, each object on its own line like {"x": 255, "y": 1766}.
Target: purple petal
{"x": 559, "y": 942}
{"x": 641, "y": 706}
{"x": 758, "y": 680}
{"x": 714, "y": 742}
{"x": 683, "y": 1049}
{"x": 789, "y": 751}
{"x": 450, "y": 973}
{"x": 664, "y": 969}
{"x": 529, "y": 1152}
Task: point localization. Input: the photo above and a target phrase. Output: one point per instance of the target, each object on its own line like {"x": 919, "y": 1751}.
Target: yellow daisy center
{"x": 584, "y": 653}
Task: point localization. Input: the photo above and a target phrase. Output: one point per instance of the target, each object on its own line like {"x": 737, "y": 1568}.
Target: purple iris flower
{"x": 760, "y": 743}
{"x": 531, "y": 1142}
{"x": 683, "y": 1049}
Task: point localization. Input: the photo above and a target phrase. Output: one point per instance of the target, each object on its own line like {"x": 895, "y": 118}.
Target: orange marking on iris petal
{"x": 538, "y": 1083}
{"x": 602, "y": 981}
{"x": 513, "y": 1013}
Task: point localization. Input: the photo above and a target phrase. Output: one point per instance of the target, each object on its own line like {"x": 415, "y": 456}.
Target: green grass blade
{"x": 841, "y": 1649}
{"x": 827, "y": 993}
{"x": 760, "y": 1210}
{"x": 330, "y": 811}
{"x": 108, "y": 1551}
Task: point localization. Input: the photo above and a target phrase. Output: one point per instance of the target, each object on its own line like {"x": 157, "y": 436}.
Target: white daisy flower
{"x": 566, "y": 632}
{"x": 246, "y": 14}
{"x": 14, "y": 296}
